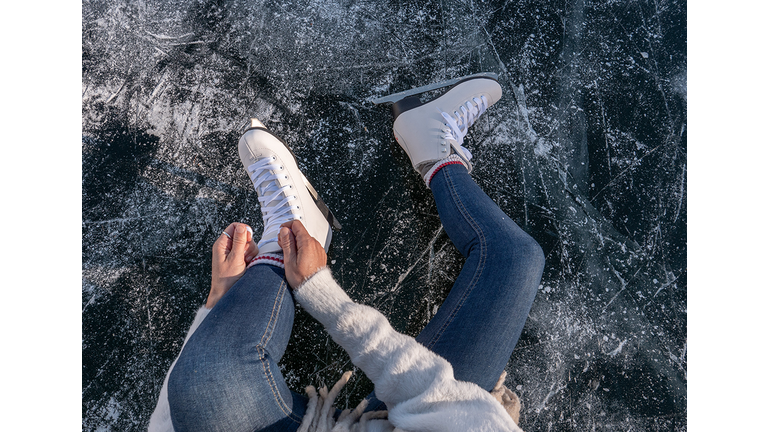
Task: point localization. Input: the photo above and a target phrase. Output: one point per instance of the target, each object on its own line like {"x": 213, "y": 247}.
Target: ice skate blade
{"x": 321, "y": 205}
{"x": 396, "y": 97}
{"x": 335, "y": 224}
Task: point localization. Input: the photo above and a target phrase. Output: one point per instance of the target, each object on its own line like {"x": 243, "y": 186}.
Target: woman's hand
{"x": 302, "y": 254}
{"x": 230, "y": 257}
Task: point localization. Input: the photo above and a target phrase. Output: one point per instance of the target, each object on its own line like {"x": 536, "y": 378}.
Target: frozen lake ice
{"x": 586, "y": 151}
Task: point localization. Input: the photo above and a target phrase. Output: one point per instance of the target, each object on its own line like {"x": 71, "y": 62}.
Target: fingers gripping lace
{"x": 458, "y": 125}
{"x": 274, "y": 199}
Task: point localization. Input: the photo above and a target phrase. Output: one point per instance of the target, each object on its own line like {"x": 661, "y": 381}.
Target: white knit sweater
{"x": 416, "y": 384}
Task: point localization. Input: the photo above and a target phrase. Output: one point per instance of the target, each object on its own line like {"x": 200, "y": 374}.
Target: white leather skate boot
{"x": 284, "y": 192}
{"x": 434, "y": 131}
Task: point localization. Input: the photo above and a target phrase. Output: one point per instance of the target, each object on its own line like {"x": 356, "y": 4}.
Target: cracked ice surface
{"x": 586, "y": 151}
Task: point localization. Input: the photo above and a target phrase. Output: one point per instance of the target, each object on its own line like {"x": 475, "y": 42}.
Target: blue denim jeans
{"x": 227, "y": 378}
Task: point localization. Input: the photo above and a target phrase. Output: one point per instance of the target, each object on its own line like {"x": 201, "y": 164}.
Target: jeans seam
{"x": 481, "y": 263}
{"x": 263, "y": 354}
{"x": 273, "y": 387}
{"x": 265, "y": 338}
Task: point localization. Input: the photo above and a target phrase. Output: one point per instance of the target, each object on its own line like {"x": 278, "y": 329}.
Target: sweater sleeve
{"x": 417, "y": 385}
{"x": 161, "y": 417}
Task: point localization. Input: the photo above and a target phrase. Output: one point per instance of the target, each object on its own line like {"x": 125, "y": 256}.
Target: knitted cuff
{"x": 450, "y": 160}
{"x": 274, "y": 259}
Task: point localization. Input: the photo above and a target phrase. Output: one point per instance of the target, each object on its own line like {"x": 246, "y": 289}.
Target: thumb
{"x": 239, "y": 240}
{"x": 302, "y": 235}
{"x": 287, "y": 241}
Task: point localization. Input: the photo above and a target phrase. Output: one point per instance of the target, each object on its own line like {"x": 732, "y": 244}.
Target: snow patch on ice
{"x": 542, "y": 148}
{"x": 617, "y": 350}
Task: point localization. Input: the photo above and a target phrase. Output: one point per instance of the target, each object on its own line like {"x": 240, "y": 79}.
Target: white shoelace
{"x": 458, "y": 125}
{"x": 275, "y": 211}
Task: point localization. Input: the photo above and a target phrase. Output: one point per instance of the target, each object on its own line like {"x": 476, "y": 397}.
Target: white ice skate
{"x": 284, "y": 192}
{"x": 434, "y": 131}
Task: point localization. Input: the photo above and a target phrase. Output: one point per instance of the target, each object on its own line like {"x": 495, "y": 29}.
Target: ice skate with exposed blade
{"x": 284, "y": 192}
{"x": 434, "y": 131}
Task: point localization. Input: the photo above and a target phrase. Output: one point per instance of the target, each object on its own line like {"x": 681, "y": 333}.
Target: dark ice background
{"x": 586, "y": 151}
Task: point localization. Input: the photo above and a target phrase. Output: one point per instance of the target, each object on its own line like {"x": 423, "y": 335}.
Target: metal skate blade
{"x": 434, "y": 86}
{"x": 322, "y": 205}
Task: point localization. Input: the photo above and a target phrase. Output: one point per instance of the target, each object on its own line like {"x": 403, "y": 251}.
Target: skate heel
{"x": 405, "y": 104}
{"x": 322, "y": 206}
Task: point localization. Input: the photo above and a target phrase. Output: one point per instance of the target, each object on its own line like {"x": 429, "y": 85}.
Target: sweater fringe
{"x": 321, "y": 408}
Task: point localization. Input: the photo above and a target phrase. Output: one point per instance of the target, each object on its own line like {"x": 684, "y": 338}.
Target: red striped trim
{"x": 268, "y": 258}
{"x": 441, "y": 167}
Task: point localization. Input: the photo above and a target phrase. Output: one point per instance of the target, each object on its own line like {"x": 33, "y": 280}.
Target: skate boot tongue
{"x": 458, "y": 124}
{"x": 456, "y": 128}
{"x": 275, "y": 201}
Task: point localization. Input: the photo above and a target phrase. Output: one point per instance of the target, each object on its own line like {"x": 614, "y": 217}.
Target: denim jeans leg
{"x": 227, "y": 378}
{"x": 478, "y": 325}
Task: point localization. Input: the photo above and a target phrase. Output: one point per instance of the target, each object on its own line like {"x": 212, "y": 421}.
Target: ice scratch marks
{"x": 162, "y": 37}
{"x": 667, "y": 283}
{"x": 553, "y": 390}
{"x": 625, "y": 171}
{"x": 405, "y": 62}
{"x": 122, "y": 220}
{"x": 429, "y": 248}
{"x": 498, "y": 59}
{"x": 178, "y": 187}
{"x": 168, "y": 177}
{"x": 519, "y": 93}
{"x": 605, "y": 129}
{"x": 114, "y": 95}
{"x": 375, "y": 211}
{"x": 148, "y": 306}
{"x": 370, "y": 258}
{"x": 682, "y": 194}
{"x": 679, "y": 360}
{"x": 170, "y": 41}
{"x": 158, "y": 88}
{"x": 98, "y": 279}
{"x": 617, "y": 350}
{"x": 90, "y": 302}
{"x": 623, "y": 287}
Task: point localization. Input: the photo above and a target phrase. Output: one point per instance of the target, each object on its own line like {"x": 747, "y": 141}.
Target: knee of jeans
{"x": 189, "y": 373}
{"x": 201, "y": 370}
{"x": 533, "y": 255}
{"x": 181, "y": 388}
{"x": 517, "y": 252}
